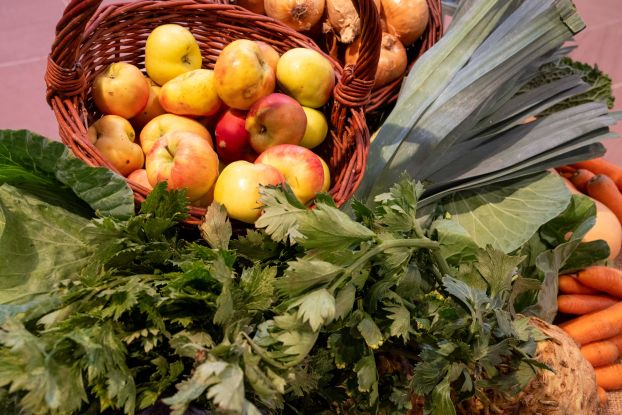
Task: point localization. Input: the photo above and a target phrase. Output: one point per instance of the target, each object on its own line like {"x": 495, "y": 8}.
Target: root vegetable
{"x": 580, "y": 177}
{"x": 600, "y": 325}
{"x": 256, "y": 6}
{"x": 602, "y": 188}
{"x": 602, "y": 396}
{"x": 617, "y": 340}
{"x": 602, "y": 278}
{"x": 568, "y": 284}
{"x": 343, "y": 19}
{"x": 602, "y": 166}
{"x": 600, "y": 353}
{"x": 583, "y": 304}
{"x": 609, "y": 377}
{"x": 392, "y": 63}
{"x": 300, "y": 15}
{"x": 405, "y": 19}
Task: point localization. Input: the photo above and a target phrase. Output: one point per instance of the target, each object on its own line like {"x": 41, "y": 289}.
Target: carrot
{"x": 602, "y": 396}
{"x": 569, "y": 284}
{"x": 599, "y": 325}
{"x": 600, "y": 353}
{"x": 609, "y": 377}
{"x": 602, "y": 278}
{"x": 617, "y": 340}
{"x": 603, "y": 189}
{"x": 563, "y": 170}
{"x": 580, "y": 177}
{"x": 583, "y": 304}
{"x": 601, "y": 166}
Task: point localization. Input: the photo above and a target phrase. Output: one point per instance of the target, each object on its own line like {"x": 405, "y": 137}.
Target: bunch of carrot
{"x": 599, "y": 179}
{"x": 595, "y": 294}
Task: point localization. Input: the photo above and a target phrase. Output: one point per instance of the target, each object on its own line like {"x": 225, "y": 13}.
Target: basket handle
{"x": 357, "y": 81}
{"x": 63, "y": 76}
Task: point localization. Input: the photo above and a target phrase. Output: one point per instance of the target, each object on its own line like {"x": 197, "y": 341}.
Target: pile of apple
{"x": 263, "y": 110}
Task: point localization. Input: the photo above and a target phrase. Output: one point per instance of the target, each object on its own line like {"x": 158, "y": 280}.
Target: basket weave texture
{"x": 89, "y": 38}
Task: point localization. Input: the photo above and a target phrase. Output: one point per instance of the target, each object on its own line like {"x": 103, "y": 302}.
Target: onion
{"x": 300, "y": 15}
{"x": 406, "y": 19}
{"x": 344, "y": 19}
{"x": 256, "y": 6}
{"x": 392, "y": 63}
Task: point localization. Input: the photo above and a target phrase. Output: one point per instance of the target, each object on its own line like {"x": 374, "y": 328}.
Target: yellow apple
{"x": 140, "y": 177}
{"x": 317, "y": 128}
{"x": 114, "y": 137}
{"x": 121, "y": 90}
{"x": 243, "y": 74}
{"x": 151, "y": 110}
{"x": 326, "y": 184}
{"x": 237, "y": 188}
{"x": 270, "y": 54}
{"x": 301, "y": 167}
{"x": 171, "y": 50}
{"x": 166, "y": 123}
{"x": 306, "y": 75}
{"x": 186, "y": 161}
{"x": 192, "y": 93}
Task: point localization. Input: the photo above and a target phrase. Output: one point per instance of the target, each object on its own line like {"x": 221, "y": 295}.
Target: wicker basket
{"x": 88, "y": 38}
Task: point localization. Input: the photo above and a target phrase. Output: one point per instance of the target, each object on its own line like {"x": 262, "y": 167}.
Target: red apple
{"x": 237, "y": 188}
{"x": 232, "y": 139}
{"x": 275, "y": 119}
{"x": 121, "y": 89}
{"x": 140, "y": 177}
{"x": 302, "y": 168}
{"x": 186, "y": 161}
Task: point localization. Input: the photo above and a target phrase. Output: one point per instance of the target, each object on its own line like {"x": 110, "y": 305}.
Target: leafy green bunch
{"x": 312, "y": 310}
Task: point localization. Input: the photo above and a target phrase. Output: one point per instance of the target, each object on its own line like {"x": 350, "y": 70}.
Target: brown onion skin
{"x": 392, "y": 63}
{"x": 406, "y": 19}
{"x": 256, "y": 6}
{"x": 300, "y": 15}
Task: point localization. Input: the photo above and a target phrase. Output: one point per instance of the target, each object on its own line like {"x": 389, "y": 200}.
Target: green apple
{"x": 306, "y": 75}
{"x": 171, "y": 50}
{"x": 317, "y": 128}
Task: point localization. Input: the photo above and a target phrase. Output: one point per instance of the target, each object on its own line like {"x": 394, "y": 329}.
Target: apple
{"x": 121, "y": 90}
{"x": 192, "y": 93}
{"x": 165, "y": 123}
{"x": 186, "y": 161}
{"x": 232, "y": 139}
{"x": 243, "y": 74}
{"x": 275, "y": 119}
{"x": 317, "y": 128}
{"x": 140, "y": 177}
{"x": 301, "y": 167}
{"x": 171, "y": 50}
{"x": 114, "y": 137}
{"x": 237, "y": 188}
{"x": 326, "y": 184}
{"x": 270, "y": 54}
{"x": 306, "y": 75}
{"x": 151, "y": 110}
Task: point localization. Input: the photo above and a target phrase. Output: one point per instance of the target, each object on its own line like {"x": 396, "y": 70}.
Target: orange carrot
{"x": 617, "y": 340}
{"x": 600, "y": 353}
{"x": 603, "y": 189}
{"x": 580, "y": 177}
{"x": 583, "y": 304}
{"x": 569, "y": 284}
{"x": 609, "y": 377}
{"x": 599, "y": 325}
{"x": 602, "y": 396}
{"x": 601, "y": 166}
{"x": 602, "y": 278}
